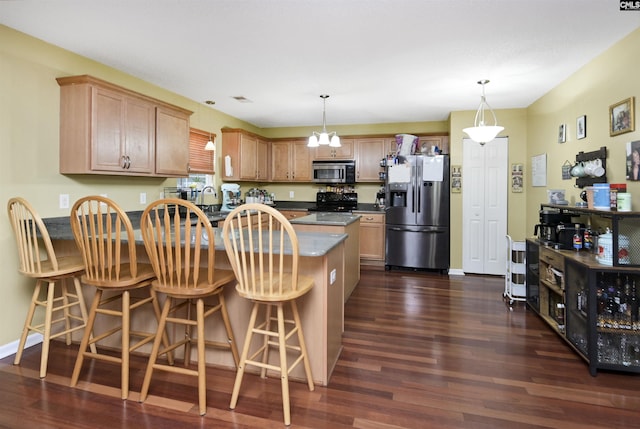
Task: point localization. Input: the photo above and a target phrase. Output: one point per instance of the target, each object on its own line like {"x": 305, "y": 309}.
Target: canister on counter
{"x": 624, "y": 202}
{"x": 601, "y": 196}
{"x": 614, "y": 189}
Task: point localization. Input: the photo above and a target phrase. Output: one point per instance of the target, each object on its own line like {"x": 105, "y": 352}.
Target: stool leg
{"x": 47, "y": 328}
{"x": 126, "y": 327}
{"x": 27, "y": 322}
{"x": 83, "y": 309}
{"x": 85, "y": 338}
{"x": 284, "y": 371}
{"x": 162, "y": 323}
{"x": 303, "y": 346}
{"x": 65, "y": 310}
{"x": 243, "y": 357}
{"x": 227, "y": 326}
{"x": 202, "y": 369}
{"x": 165, "y": 336}
{"x": 267, "y": 327}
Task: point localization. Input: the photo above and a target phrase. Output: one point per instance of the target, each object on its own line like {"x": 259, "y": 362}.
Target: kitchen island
{"x": 321, "y": 310}
{"x": 337, "y": 223}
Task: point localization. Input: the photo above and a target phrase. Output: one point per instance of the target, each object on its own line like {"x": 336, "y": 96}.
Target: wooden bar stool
{"x": 256, "y": 238}
{"x": 38, "y": 260}
{"x": 105, "y": 237}
{"x": 180, "y": 243}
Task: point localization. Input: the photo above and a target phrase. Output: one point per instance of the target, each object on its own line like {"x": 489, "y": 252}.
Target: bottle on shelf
{"x": 587, "y": 239}
{"x": 633, "y": 305}
{"x": 577, "y": 238}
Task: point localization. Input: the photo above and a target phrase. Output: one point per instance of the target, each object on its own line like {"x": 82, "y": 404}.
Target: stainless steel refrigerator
{"x": 417, "y": 212}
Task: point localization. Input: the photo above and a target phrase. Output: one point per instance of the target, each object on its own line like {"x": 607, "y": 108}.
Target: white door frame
{"x": 485, "y": 171}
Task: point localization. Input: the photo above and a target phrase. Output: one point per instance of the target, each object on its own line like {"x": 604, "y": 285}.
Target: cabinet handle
{"x": 124, "y": 162}
{"x": 128, "y": 162}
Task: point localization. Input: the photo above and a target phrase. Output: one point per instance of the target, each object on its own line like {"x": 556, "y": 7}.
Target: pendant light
{"x": 210, "y": 144}
{"x": 323, "y": 138}
{"x": 481, "y": 132}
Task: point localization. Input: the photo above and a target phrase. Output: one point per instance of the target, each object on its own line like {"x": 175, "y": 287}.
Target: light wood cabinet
{"x": 249, "y": 155}
{"x": 106, "y": 129}
{"x": 345, "y": 151}
{"x": 369, "y": 152}
{"x": 371, "y": 237}
{"x": 290, "y": 161}
{"x": 172, "y": 142}
{"x": 293, "y": 214}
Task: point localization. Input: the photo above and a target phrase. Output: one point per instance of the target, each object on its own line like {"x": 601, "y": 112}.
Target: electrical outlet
{"x": 103, "y": 205}
{"x": 332, "y": 276}
{"x": 64, "y": 201}
{"x": 291, "y": 194}
{"x": 161, "y": 195}
{"x": 143, "y": 198}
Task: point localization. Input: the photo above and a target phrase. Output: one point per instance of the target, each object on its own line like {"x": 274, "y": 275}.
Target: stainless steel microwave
{"x": 334, "y": 171}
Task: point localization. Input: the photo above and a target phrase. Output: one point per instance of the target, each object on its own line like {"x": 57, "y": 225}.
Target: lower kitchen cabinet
{"x": 371, "y": 238}
{"x": 293, "y": 214}
{"x": 593, "y": 307}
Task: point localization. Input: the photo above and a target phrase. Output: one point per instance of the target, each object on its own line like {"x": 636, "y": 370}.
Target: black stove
{"x": 335, "y": 202}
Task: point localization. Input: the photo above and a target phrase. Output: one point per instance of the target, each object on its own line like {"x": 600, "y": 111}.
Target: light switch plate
{"x": 143, "y": 198}
{"x": 64, "y": 201}
{"x": 332, "y": 276}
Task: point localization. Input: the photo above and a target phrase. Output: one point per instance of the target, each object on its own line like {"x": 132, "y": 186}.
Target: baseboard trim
{"x": 12, "y": 347}
{"x": 456, "y": 272}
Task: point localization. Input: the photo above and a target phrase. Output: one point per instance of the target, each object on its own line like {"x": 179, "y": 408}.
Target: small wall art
{"x": 456, "y": 178}
{"x": 633, "y": 160}
{"x": 517, "y": 179}
{"x": 581, "y": 127}
{"x": 562, "y": 133}
{"x": 621, "y": 117}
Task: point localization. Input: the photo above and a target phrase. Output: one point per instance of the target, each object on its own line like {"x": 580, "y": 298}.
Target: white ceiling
{"x": 379, "y": 60}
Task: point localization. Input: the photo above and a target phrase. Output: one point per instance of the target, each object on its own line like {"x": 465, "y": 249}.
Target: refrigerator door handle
{"x": 418, "y": 183}
{"x": 433, "y": 231}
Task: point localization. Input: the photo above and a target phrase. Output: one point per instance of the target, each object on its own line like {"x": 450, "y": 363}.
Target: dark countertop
{"x": 326, "y": 218}
{"x": 311, "y": 243}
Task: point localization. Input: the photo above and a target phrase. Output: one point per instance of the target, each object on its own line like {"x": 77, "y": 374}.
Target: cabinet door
{"x": 262, "y": 160}
{"x": 280, "y": 161}
{"x": 345, "y": 151}
{"x": 172, "y": 143}
{"x": 576, "y": 303}
{"x": 300, "y": 161}
{"x": 140, "y": 135}
{"x": 293, "y": 214}
{"x": 369, "y": 152}
{"x": 248, "y": 162}
{"x": 372, "y": 236}
{"x": 107, "y": 125}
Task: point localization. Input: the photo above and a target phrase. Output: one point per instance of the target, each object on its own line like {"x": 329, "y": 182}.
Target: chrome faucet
{"x": 215, "y": 194}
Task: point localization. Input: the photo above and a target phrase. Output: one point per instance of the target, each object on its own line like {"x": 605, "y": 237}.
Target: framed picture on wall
{"x": 581, "y": 127}
{"x": 562, "y": 133}
{"x": 456, "y": 178}
{"x": 517, "y": 179}
{"x": 621, "y": 117}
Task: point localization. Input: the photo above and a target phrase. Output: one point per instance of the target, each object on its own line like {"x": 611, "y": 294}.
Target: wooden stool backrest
{"x": 178, "y": 238}
{"x": 255, "y": 236}
{"x": 35, "y": 250}
{"x": 105, "y": 237}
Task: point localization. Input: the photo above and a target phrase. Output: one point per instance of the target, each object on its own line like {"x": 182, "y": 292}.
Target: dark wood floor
{"x": 420, "y": 351}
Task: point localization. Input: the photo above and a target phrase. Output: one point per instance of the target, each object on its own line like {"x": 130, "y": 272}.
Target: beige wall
{"x": 608, "y": 79}
{"x": 29, "y": 122}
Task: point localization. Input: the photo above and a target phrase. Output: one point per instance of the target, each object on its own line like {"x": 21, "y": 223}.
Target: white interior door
{"x": 484, "y": 206}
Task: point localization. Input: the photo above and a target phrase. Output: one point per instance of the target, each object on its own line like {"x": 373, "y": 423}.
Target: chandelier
{"x": 323, "y": 138}
{"x": 481, "y": 132}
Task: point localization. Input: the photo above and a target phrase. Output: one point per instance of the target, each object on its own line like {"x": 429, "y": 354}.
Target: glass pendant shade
{"x": 324, "y": 138}
{"x": 210, "y": 145}
{"x": 480, "y": 132}
{"x": 313, "y": 141}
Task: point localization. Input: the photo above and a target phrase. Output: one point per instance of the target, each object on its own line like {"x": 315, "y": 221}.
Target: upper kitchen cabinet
{"x": 248, "y": 156}
{"x": 290, "y": 161}
{"x": 345, "y": 151}
{"x": 369, "y": 153}
{"x": 106, "y": 129}
{"x": 172, "y": 143}
{"x": 425, "y": 143}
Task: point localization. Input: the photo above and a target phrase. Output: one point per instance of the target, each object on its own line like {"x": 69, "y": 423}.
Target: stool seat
{"x": 105, "y": 237}
{"x": 252, "y": 233}
{"x": 185, "y": 272}
{"x": 38, "y": 260}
